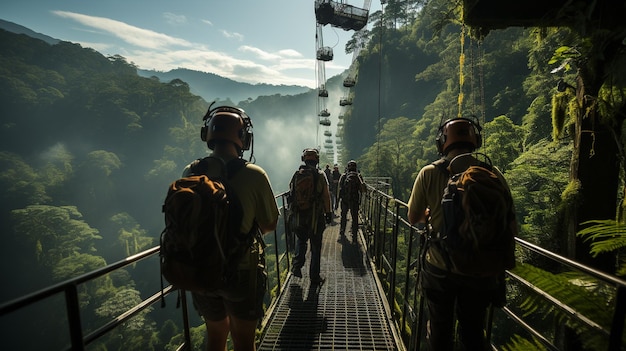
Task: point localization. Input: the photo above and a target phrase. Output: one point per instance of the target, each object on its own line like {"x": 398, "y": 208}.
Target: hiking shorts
{"x": 242, "y": 299}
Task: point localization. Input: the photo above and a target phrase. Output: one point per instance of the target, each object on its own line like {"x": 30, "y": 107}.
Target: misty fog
{"x": 280, "y": 139}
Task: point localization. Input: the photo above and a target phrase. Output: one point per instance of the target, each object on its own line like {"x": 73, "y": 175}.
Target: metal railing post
{"x": 73, "y": 317}
{"x": 187, "y": 334}
{"x": 617, "y": 326}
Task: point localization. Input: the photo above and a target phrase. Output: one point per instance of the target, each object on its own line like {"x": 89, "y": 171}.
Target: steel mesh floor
{"x": 344, "y": 313}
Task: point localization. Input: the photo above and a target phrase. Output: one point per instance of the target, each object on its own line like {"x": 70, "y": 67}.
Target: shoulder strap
{"x": 234, "y": 165}
{"x": 442, "y": 165}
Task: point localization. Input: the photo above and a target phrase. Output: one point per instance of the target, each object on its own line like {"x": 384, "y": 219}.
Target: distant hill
{"x": 207, "y": 85}
{"x": 16, "y": 28}
{"x": 213, "y": 87}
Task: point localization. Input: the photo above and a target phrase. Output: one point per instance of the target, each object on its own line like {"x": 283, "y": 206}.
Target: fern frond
{"x": 605, "y": 235}
{"x": 518, "y": 343}
{"x": 586, "y": 296}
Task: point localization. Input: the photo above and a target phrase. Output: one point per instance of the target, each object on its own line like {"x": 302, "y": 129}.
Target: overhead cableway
{"x": 342, "y": 15}
{"x": 323, "y": 55}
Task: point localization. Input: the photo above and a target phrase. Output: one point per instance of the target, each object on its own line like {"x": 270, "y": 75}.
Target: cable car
{"x": 340, "y": 117}
{"x": 324, "y": 113}
{"x": 349, "y": 82}
{"x": 339, "y": 14}
{"x": 325, "y": 53}
{"x": 345, "y": 102}
{"x": 328, "y": 133}
{"x": 325, "y": 122}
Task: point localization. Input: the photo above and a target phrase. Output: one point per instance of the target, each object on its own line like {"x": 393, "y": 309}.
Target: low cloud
{"x": 152, "y": 50}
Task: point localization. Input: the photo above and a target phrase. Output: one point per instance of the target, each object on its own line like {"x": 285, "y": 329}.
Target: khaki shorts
{"x": 243, "y": 298}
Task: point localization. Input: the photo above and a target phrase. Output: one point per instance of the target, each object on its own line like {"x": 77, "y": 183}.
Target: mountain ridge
{"x": 207, "y": 85}
{"x": 211, "y": 86}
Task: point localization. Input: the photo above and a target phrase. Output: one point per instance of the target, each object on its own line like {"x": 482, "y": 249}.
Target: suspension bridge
{"x": 369, "y": 299}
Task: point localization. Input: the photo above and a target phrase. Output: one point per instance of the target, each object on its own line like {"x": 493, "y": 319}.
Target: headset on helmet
{"x": 227, "y": 123}
{"x": 457, "y": 131}
{"x": 352, "y": 165}
{"x": 310, "y": 154}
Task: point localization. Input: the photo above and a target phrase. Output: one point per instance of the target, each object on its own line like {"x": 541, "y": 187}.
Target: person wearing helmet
{"x": 334, "y": 184}
{"x": 448, "y": 291}
{"x": 237, "y": 310}
{"x": 350, "y": 187}
{"x": 310, "y": 207}
{"x": 329, "y": 173}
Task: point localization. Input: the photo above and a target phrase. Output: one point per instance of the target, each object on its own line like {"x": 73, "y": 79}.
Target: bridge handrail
{"x": 383, "y": 215}
{"x": 69, "y": 288}
{"x": 384, "y": 223}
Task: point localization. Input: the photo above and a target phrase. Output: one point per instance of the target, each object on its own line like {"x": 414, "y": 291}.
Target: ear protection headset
{"x": 243, "y": 134}
{"x": 308, "y": 152}
{"x": 444, "y": 140}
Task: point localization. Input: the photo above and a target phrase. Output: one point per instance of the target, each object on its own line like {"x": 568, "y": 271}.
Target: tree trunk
{"x": 598, "y": 173}
{"x": 595, "y": 164}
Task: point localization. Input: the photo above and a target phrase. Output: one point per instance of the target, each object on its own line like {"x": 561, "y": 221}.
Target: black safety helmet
{"x": 229, "y": 124}
{"x": 310, "y": 156}
{"x": 352, "y": 165}
{"x": 458, "y": 132}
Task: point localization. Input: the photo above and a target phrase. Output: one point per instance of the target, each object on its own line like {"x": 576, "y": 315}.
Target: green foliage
{"x": 54, "y": 232}
{"x": 198, "y": 336}
{"x": 21, "y": 183}
{"x": 503, "y": 141}
{"x": 134, "y": 334}
{"x": 606, "y": 236}
{"x": 571, "y": 194}
{"x": 537, "y": 179}
{"x": 518, "y": 343}
{"x": 130, "y": 235}
{"x": 76, "y": 265}
{"x": 584, "y": 298}
{"x": 390, "y": 152}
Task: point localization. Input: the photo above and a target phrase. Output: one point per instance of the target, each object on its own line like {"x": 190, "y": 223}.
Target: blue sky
{"x": 252, "y": 41}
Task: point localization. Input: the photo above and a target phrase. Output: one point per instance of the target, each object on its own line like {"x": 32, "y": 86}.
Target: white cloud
{"x": 207, "y": 22}
{"x": 232, "y": 35}
{"x": 289, "y": 53}
{"x": 133, "y": 35}
{"x": 151, "y": 50}
{"x": 259, "y": 53}
{"x": 174, "y": 19}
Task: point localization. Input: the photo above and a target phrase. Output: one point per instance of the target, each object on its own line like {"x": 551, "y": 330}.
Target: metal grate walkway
{"x": 345, "y": 313}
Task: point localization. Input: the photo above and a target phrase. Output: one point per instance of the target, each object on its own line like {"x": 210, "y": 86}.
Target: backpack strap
{"x": 442, "y": 165}
{"x": 234, "y": 165}
{"x": 434, "y": 238}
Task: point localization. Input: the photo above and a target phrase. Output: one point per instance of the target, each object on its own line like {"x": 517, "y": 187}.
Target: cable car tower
{"x": 342, "y": 15}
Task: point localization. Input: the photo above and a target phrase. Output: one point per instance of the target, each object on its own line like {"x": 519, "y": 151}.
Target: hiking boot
{"x": 297, "y": 272}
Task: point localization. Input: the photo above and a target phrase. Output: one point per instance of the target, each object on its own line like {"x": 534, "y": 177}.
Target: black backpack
{"x": 479, "y": 227}
{"x": 352, "y": 185}
{"x": 201, "y": 243}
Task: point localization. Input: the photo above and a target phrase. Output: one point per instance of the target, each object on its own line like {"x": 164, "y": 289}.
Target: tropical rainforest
{"x": 88, "y": 146}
